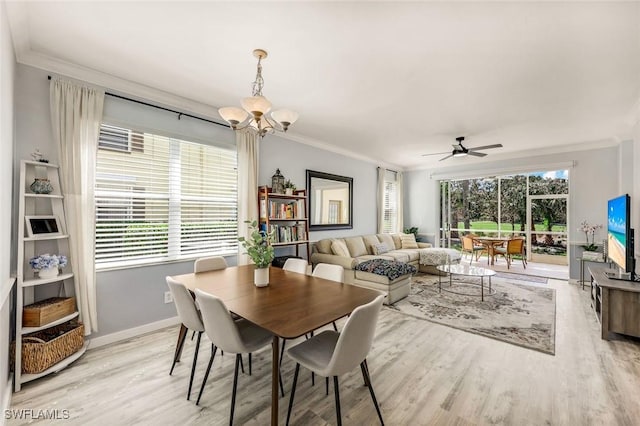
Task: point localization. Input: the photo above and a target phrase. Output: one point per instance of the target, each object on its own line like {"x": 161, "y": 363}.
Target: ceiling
{"x": 387, "y": 81}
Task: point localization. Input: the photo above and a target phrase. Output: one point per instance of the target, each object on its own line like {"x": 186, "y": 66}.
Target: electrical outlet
{"x": 168, "y": 298}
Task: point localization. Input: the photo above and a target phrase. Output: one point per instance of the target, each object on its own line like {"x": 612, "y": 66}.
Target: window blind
{"x": 390, "y": 206}
{"x": 162, "y": 199}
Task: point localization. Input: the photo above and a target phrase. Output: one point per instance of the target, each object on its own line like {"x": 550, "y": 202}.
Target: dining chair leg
{"x": 235, "y": 387}
{"x": 249, "y": 363}
{"x": 281, "y": 385}
{"x": 326, "y": 386}
{"x": 337, "y": 392}
{"x": 176, "y": 356}
{"x": 214, "y": 348}
{"x": 192, "y": 335}
{"x": 365, "y": 372}
{"x": 241, "y": 365}
{"x": 284, "y": 342}
{"x": 193, "y": 367}
{"x": 335, "y": 327}
{"x": 293, "y": 391}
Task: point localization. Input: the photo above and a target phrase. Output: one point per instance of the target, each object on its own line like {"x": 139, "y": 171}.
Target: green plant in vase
{"x": 258, "y": 247}
{"x": 589, "y": 231}
{"x": 289, "y": 187}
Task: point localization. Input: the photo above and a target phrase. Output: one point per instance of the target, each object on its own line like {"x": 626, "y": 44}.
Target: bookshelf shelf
{"x": 287, "y": 216}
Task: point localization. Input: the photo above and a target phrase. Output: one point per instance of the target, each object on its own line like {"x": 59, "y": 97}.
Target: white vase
{"x": 288, "y": 191}
{"x": 261, "y": 277}
{"x": 51, "y": 272}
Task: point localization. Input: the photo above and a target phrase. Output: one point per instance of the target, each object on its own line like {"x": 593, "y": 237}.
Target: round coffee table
{"x": 469, "y": 271}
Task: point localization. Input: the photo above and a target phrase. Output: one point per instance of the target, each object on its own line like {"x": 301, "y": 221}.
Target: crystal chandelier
{"x": 256, "y": 109}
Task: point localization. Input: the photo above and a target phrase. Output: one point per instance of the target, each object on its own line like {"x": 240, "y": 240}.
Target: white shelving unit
{"x": 40, "y": 205}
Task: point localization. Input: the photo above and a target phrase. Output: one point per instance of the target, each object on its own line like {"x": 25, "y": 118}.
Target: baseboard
{"x": 96, "y": 342}
{"x": 6, "y": 401}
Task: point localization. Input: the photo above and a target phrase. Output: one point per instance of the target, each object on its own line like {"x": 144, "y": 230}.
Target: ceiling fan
{"x": 460, "y": 150}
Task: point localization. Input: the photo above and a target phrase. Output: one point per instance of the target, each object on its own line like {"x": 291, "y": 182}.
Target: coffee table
{"x": 469, "y": 271}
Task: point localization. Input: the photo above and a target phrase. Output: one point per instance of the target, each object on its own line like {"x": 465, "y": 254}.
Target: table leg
{"x": 482, "y": 289}
{"x": 274, "y": 380}
{"x": 439, "y": 282}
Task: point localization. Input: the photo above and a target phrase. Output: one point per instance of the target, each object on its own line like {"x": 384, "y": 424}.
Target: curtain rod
{"x": 180, "y": 114}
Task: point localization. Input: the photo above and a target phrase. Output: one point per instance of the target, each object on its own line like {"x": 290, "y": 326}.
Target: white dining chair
{"x": 296, "y": 265}
{"x": 238, "y": 337}
{"x": 190, "y": 318}
{"x": 332, "y": 354}
{"x": 212, "y": 263}
{"x": 329, "y": 272}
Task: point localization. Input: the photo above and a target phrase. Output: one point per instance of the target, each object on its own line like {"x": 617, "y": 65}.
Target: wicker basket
{"x": 42, "y": 349}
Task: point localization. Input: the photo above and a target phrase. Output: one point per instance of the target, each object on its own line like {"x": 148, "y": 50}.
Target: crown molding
{"x": 147, "y": 93}
{"x": 337, "y": 150}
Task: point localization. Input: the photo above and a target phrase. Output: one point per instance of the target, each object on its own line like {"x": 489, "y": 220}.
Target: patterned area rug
{"x": 518, "y": 313}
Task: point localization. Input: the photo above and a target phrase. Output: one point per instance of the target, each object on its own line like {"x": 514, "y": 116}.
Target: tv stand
{"x": 615, "y": 302}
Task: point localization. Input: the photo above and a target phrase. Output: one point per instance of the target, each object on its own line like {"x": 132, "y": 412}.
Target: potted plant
{"x": 48, "y": 265}
{"x": 289, "y": 187}
{"x": 413, "y": 230}
{"x": 260, "y": 250}
{"x": 589, "y": 230}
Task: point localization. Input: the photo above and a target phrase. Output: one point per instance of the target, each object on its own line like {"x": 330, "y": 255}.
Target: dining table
{"x": 491, "y": 243}
{"x": 291, "y": 306}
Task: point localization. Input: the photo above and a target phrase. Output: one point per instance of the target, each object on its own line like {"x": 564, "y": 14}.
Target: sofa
{"x": 363, "y": 248}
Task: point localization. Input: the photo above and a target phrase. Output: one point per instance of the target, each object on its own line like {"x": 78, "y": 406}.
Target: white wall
{"x": 133, "y": 297}
{"x": 595, "y": 179}
{"x": 7, "y": 71}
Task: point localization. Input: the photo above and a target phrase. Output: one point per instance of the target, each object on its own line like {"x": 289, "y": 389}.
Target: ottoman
{"x": 387, "y": 276}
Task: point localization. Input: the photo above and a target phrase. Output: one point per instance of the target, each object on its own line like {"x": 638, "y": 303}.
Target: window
{"x": 165, "y": 199}
{"x": 390, "y": 207}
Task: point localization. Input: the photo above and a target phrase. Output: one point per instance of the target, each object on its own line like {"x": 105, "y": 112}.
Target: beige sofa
{"x": 360, "y": 250}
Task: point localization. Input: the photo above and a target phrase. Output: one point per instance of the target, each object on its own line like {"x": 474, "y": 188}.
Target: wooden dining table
{"x": 292, "y": 305}
{"x": 491, "y": 243}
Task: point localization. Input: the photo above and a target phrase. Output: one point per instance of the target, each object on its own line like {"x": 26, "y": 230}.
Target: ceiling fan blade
{"x": 476, "y": 148}
{"x": 476, "y": 154}
{"x": 448, "y": 156}
{"x": 435, "y": 153}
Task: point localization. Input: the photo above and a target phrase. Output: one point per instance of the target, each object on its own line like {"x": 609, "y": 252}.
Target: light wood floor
{"x": 423, "y": 374}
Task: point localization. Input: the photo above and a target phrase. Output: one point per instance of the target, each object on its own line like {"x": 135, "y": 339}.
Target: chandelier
{"x": 255, "y": 113}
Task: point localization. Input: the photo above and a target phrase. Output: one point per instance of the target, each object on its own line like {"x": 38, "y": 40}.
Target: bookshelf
{"x": 34, "y": 205}
{"x": 287, "y": 215}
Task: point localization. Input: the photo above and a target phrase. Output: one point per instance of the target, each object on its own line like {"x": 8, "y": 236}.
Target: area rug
{"x": 518, "y": 313}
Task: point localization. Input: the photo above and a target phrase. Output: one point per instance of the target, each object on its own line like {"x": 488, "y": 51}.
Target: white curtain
{"x": 399, "y": 193}
{"x": 380, "y": 199}
{"x": 76, "y": 113}
{"x": 248, "y": 152}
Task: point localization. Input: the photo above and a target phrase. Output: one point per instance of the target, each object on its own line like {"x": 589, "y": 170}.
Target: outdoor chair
{"x": 514, "y": 246}
{"x": 469, "y": 246}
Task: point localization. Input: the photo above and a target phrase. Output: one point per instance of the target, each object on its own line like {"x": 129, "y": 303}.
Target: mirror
{"x": 330, "y": 201}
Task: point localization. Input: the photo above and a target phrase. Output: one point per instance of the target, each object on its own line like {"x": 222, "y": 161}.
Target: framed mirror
{"x": 330, "y": 201}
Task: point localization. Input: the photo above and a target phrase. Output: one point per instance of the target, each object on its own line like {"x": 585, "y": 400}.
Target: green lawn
{"x": 492, "y": 226}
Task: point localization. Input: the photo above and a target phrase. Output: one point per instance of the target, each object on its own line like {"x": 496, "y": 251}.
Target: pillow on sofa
{"x": 339, "y": 248}
{"x": 388, "y": 240}
{"x": 380, "y": 248}
{"x": 408, "y": 241}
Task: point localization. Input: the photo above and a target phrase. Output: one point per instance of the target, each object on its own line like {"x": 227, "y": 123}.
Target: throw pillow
{"x": 408, "y": 241}
{"x": 339, "y": 248}
{"x": 380, "y": 248}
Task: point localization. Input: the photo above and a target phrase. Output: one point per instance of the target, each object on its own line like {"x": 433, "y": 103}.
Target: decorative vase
{"x": 261, "y": 277}
{"x": 288, "y": 191}
{"x": 41, "y": 186}
{"x": 51, "y": 272}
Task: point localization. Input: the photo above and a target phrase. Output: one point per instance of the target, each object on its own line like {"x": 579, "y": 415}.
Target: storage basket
{"x": 47, "y": 311}
{"x": 42, "y": 349}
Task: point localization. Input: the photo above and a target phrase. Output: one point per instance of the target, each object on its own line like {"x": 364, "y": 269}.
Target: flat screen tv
{"x": 620, "y": 235}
